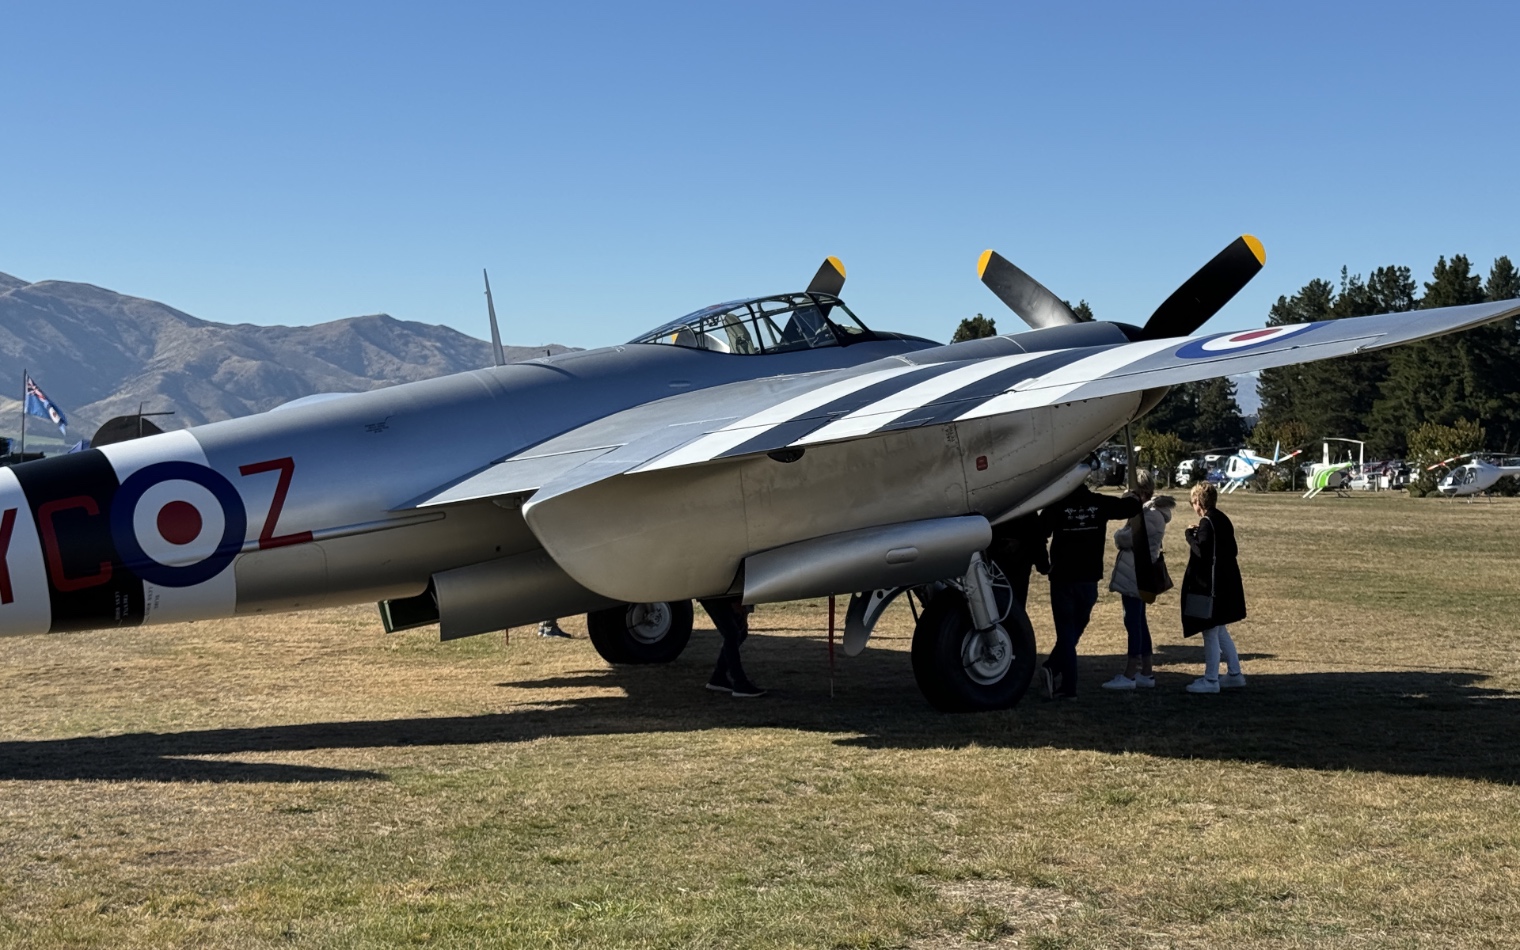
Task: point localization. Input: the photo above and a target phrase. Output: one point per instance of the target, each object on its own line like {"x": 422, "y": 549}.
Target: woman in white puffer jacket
{"x": 1157, "y": 513}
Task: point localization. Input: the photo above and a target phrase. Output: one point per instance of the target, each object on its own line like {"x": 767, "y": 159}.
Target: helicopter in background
{"x": 1474, "y": 477}
{"x": 1335, "y": 476}
{"x": 1241, "y": 468}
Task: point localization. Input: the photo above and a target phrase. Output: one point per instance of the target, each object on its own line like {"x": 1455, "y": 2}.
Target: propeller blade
{"x": 1022, "y": 294}
{"x": 1202, "y": 295}
{"x": 829, "y": 279}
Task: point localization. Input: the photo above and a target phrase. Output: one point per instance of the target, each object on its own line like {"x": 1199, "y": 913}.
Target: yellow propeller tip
{"x": 1256, "y": 248}
{"x": 838, "y": 264}
{"x": 981, "y": 262}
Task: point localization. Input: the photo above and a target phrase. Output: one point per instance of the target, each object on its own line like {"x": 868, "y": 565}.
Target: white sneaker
{"x": 1203, "y": 685}
{"x": 1120, "y": 682}
{"x": 1145, "y": 682}
{"x": 1232, "y": 681}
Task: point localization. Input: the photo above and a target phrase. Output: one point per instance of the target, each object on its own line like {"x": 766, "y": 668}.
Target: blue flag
{"x": 38, "y": 404}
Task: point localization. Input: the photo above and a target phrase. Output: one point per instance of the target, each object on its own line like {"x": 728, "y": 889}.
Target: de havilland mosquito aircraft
{"x": 767, "y": 449}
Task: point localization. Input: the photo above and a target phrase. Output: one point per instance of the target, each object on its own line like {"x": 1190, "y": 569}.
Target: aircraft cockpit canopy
{"x": 778, "y": 324}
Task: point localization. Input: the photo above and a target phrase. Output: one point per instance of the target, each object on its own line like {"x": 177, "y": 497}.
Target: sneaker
{"x": 1232, "y": 681}
{"x": 1203, "y": 685}
{"x": 1120, "y": 682}
{"x": 719, "y": 684}
{"x": 1048, "y": 681}
{"x": 747, "y": 690}
{"x": 550, "y": 628}
{"x": 1145, "y": 682}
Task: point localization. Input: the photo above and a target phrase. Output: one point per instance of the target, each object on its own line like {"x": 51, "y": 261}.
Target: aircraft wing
{"x": 999, "y": 385}
{"x": 760, "y": 416}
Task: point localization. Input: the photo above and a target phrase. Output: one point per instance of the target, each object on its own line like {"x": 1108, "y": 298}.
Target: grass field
{"x": 308, "y": 781}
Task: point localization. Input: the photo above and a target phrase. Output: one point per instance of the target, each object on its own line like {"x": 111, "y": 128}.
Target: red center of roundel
{"x": 1253, "y": 335}
{"x": 179, "y": 522}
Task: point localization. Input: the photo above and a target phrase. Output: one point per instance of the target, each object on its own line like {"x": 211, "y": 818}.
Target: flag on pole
{"x": 38, "y": 404}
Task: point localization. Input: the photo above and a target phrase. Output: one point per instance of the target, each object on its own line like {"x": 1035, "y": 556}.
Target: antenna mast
{"x": 496, "y": 351}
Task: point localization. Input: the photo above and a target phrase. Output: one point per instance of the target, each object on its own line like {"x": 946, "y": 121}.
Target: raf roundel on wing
{"x": 1235, "y": 342}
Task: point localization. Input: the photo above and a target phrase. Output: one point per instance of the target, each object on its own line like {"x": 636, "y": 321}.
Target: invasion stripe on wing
{"x": 1054, "y": 386}
{"x": 883, "y": 411}
{"x": 736, "y": 433}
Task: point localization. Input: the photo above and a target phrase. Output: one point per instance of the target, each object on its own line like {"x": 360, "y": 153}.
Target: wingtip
{"x": 981, "y": 263}
{"x": 1256, "y": 248}
{"x": 837, "y": 264}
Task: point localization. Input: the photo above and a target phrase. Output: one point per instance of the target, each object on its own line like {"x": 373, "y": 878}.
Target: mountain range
{"x": 98, "y": 354}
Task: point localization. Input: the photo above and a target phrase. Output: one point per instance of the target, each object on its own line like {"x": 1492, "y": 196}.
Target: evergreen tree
{"x": 974, "y": 328}
{"x": 1491, "y": 364}
{"x": 1285, "y": 389}
{"x": 1203, "y": 414}
{"x": 1219, "y": 421}
{"x": 1428, "y": 382}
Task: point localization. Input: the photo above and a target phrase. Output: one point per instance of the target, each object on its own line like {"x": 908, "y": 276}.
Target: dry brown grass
{"x": 309, "y": 781}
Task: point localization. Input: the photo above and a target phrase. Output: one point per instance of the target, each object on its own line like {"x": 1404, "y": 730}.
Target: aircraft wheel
{"x": 961, "y": 670}
{"x": 641, "y": 633}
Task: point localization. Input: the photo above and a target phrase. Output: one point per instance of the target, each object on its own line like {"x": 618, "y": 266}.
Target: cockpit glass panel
{"x": 764, "y": 325}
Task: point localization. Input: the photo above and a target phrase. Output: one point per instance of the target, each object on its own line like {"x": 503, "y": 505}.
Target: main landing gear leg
{"x": 970, "y": 653}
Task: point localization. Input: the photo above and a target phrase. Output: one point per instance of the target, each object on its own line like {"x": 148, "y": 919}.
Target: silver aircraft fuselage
{"x": 304, "y": 506}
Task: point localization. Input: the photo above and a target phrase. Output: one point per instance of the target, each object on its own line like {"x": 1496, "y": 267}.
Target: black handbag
{"x": 1162, "y": 577}
{"x": 1201, "y": 606}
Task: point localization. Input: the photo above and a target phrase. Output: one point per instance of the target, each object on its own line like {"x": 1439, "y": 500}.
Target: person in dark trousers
{"x": 1213, "y": 572}
{"x": 1077, "y": 526}
{"x": 1135, "y": 581}
{"x": 1017, "y": 546}
{"x": 732, "y": 620}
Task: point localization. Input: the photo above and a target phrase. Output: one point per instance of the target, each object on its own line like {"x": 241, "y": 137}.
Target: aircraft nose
{"x": 25, "y": 605}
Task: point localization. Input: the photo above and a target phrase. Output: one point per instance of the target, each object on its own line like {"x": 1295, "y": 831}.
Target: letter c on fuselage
{"x": 46, "y": 512}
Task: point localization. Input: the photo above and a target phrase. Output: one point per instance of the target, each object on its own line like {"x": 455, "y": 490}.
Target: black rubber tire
{"x": 937, "y": 664}
{"x": 611, "y": 634}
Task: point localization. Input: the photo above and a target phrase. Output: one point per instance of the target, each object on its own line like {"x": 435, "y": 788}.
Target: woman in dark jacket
{"x": 1213, "y": 571}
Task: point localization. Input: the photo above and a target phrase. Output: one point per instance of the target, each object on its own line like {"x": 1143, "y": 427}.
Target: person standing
{"x": 1142, "y": 533}
{"x": 1213, "y": 594}
{"x": 1077, "y": 528}
{"x": 732, "y": 620}
{"x": 1017, "y": 546}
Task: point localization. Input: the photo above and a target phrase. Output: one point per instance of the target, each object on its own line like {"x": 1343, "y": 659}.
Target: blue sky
{"x": 615, "y": 165}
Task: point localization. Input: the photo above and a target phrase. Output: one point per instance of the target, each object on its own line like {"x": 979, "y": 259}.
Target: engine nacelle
{"x": 493, "y": 595}
{"x": 896, "y": 555}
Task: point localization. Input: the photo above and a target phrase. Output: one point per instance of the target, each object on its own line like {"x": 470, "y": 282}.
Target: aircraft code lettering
{"x": 54, "y": 556}
{"x": 286, "y": 467}
{"x": 7, "y": 525}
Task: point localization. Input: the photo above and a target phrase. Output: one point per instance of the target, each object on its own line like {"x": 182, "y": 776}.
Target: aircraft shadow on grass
{"x": 1409, "y": 722}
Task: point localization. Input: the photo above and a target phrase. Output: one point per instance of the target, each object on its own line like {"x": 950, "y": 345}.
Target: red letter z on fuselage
{"x": 286, "y": 467}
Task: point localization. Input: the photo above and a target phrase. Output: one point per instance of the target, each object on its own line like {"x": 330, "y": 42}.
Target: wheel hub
{"x": 649, "y": 623}
{"x": 987, "y": 655}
